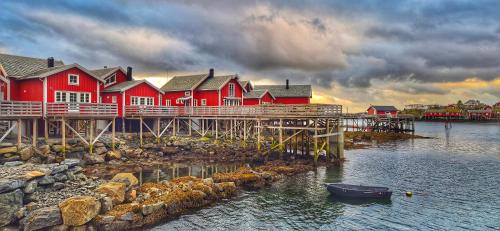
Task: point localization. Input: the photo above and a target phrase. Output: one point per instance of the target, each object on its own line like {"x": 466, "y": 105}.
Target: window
{"x": 113, "y": 99}
{"x": 72, "y": 97}
{"x": 178, "y": 101}
{"x": 110, "y": 80}
{"x": 73, "y": 79}
{"x": 159, "y": 100}
{"x": 187, "y": 93}
{"x": 195, "y": 102}
{"x": 203, "y": 102}
{"x": 231, "y": 89}
{"x": 168, "y": 103}
{"x": 84, "y": 97}
{"x": 149, "y": 101}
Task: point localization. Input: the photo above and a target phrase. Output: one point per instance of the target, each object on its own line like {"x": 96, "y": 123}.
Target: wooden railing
{"x": 82, "y": 109}
{"x": 221, "y": 111}
{"x": 20, "y": 109}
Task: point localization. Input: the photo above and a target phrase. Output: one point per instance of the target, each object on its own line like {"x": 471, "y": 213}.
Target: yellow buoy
{"x": 409, "y": 194}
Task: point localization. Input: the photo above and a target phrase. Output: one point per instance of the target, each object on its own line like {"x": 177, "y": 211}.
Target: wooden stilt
{"x": 216, "y": 129}
{"x": 91, "y": 137}
{"x": 123, "y": 126}
{"x": 46, "y": 129}
{"x": 174, "y": 127}
{"x": 245, "y": 130}
{"x": 280, "y": 135}
{"x": 63, "y": 135}
{"x": 327, "y": 139}
{"x": 258, "y": 134}
{"x": 19, "y": 133}
{"x": 316, "y": 151}
{"x": 190, "y": 127}
{"x": 35, "y": 130}
{"x": 140, "y": 131}
{"x": 113, "y": 135}
{"x": 158, "y": 130}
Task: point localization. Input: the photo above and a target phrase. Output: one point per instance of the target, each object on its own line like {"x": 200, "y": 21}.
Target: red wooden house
{"x": 247, "y": 85}
{"x": 288, "y": 94}
{"x": 257, "y": 97}
{"x": 179, "y": 90}
{"x": 383, "y": 110}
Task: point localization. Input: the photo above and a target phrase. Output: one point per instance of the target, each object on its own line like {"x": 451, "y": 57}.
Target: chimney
{"x": 129, "y": 73}
{"x": 50, "y": 62}
{"x": 287, "y": 85}
{"x": 211, "y": 73}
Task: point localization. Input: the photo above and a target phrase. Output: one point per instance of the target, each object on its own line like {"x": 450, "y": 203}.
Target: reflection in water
{"x": 444, "y": 175}
{"x": 360, "y": 201}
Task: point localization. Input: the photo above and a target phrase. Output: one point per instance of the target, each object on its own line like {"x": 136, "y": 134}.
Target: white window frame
{"x": 203, "y": 102}
{"x": 195, "y": 102}
{"x": 231, "y": 90}
{"x": 142, "y": 101}
{"x": 113, "y": 76}
{"x": 66, "y": 95}
{"x": 113, "y": 99}
{"x": 168, "y": 103}
{"x": 187, "y": 93}
{"x": 77, "y": 79}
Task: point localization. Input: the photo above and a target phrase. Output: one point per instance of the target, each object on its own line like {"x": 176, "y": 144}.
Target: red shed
{"x": 258, "y": 97}
{"x": 218, "y": 91}
{"x": 179, "y": 90}
{"x": 132, "y": 93}
{"x": 112, "y": 76}
{"x": 383, "y": 110}
{"x": 288, "y": 94}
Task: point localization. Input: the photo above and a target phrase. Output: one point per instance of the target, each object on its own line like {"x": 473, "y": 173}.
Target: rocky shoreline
{"x": 50, "y": 188}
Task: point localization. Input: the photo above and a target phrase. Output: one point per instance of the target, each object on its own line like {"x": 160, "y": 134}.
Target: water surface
{"x": 455, "y": 180}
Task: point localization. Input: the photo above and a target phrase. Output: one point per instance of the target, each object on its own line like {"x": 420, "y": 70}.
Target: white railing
{"x": 20, "y": 109}
{"x": 82, "y": 109}
{"x": 258, "y": 110}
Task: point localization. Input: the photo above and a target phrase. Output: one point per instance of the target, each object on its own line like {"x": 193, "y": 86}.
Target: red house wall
{"x": 238, "y": 90}
{"x": 172, "y": 96}
{"x": 28, "y": 90}
{"x": 211, "y": 96}
{"x": 59, "y": 82}
{"x": 249, "y": 102}
{"x": 142, "y": 90}
{"x": 267, "y": 98}
{"x": 371, "y": 111}
{"x": 292, "y": 100}
{"x": 3, "y": 88}
{"x": 120, "y": 77}
{"x": 107, "y": 97}
{"x": 14, "y": 89}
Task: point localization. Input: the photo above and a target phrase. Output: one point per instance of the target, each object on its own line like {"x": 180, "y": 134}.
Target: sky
{"x": 354, "y": 53}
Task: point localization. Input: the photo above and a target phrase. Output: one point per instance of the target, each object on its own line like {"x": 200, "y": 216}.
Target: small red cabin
{"x": 132, "y": 93}
{"x": 258, "y": 97}
{"x": 383, "y": 110}
{"x": 288, "y": 94}
{"x": 179, "y": 90}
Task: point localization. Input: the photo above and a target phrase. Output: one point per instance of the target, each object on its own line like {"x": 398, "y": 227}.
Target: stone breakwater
{"x": 59, "y": 197}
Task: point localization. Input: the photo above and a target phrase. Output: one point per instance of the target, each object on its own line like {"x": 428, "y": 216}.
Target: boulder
{"x": 76, "y": 211}
{"x": 115, "y": 190}
{"x": 76, "y": 169}
{"x": 59, "y": 168}
{"x": 5, "y": 150}
{"x": 33, "y": 174}
{"x": 100, "y": 150}
{"x": 44, "y": 149}
{"x": 137, "y": 152}
{"x": 58, "y": 186}
{"x": 46, "y": 180}
{"x": 94, "y": 159}
{"x": 43, "y": 218}
{"x": 60, "y": 177}
{"x": 106, "y": 204}
{"x": 128, "y": 178}
{"x": 148, "y": 145}
{"x": 71, "y": 162}
{"x": 57, "y": 148}
{"x": 26, "y": 153}
{"x": 31, "y": 186}
{"x": 7, "y": 185}
{"x": 13, "y": 163}
{"x": 114, "y": 155}
{"x": 151, "y": 208}
{"x": 10, "y": 203}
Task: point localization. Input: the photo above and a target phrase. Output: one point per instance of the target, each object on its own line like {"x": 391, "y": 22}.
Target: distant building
{"x": 472, "y": 103}
{"x": 383, "y": 110}
{"x": 416, "y": 107}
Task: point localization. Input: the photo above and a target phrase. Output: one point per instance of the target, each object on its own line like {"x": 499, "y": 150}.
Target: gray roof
{"x": 53, "y": 70}
{"x": 281, "y": 91}
{"x": 255, "y": 94}
{"x": 105, "y": 72}
{"x": 19, "y": 66}
{"x": 184, "y": 83}
{"x": 123, "y": 86}
{"x": 384, "y": 108}
{"x": 216, "y": 82}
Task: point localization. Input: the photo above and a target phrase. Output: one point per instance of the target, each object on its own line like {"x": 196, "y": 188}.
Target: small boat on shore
{"x": 358, "y": 191}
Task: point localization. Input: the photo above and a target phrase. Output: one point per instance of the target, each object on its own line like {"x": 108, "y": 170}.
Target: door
{"x": 73, "y": 102}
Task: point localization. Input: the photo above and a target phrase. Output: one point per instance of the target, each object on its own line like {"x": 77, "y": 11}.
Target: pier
{"x": 311, "y": 129}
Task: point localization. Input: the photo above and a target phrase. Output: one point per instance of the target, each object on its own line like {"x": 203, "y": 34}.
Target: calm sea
{"x": 455, "y": 180}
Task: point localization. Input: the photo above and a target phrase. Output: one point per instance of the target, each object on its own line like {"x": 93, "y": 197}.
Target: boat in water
{"x": 358, "y": 191}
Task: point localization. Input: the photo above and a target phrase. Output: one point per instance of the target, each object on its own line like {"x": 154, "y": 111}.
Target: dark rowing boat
{"x": 358, "y": 191}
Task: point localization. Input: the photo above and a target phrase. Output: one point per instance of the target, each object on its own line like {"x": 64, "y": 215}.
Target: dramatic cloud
{"x": 352, "y": 52}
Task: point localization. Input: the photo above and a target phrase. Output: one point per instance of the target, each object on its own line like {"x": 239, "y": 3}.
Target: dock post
{"x": 280, "y": 134}
{"x": 19, "y": 135}
{"x": 245, "y": 130}
{"x": 113, "y": 134}
{"x": 35, "y": 130}
{"x": 316, "y": 151}
{"x": 46, "y": 129}
{"x": 174, "y": 126}
{"x": 190, "y": 126}
{"x": 63, "y": 135}
{"x": 231, "y": 128}
{"x": 158, "y": 128}
{"x": 216, "y": 128}
{"x": 258, "y": 134}
{"x": 340, "y": 142}
{"x": 91, "y": 145}
{"x": 327, "y": 140}
{"x": 140, "y": 130}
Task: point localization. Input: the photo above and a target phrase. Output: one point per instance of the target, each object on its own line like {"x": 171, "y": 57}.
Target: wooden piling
{"x": 91, "y": 140}
{"x": 113, "y": 135}
{"x": 63, "y": 134}
{"x": 19, "y": 134}
{"x": 140, "y": 131}
{"x": 35, "y": 130}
